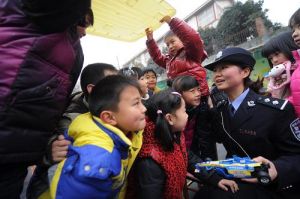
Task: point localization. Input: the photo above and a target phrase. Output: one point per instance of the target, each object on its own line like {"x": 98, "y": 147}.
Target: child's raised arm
{"x": 190, "y": 38}
{"x": 154, "y": 51}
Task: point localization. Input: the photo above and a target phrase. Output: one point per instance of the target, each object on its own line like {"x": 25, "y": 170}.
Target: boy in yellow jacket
{"x": 105, "y": 142}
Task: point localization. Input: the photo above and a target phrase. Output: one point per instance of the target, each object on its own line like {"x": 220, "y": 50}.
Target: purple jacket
{"x": 38, "y": 72}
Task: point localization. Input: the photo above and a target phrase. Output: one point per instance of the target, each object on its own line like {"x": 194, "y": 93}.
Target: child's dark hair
{"x": 149, "y": 70}
{"x": 167, "y": 101}
{"x": 138, "y": 71}
{"x": 295, "y": 19}
{"x": 184, "y": 83}
{"x": 170, "y": 33}
{"x": 93, "y": 73}
{"x": 106, "y": 93}
{"x": 169, "y": 82}
{"x": 283, "y": 43}
{"x": 132, "y": 72}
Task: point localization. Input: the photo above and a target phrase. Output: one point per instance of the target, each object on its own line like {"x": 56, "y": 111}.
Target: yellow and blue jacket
{"x": 98, "y": 161}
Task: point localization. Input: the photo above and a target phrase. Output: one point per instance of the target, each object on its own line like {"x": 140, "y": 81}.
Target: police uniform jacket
{"x": 267, "y": 127}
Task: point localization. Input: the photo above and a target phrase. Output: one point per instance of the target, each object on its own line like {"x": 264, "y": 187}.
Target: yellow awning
{"x": 126, "y": 20}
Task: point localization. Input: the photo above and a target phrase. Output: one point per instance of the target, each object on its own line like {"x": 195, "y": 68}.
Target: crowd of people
{"x": 122, "y": 136}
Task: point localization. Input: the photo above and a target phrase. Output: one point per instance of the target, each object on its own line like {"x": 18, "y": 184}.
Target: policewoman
{"x": 260, "y": 127}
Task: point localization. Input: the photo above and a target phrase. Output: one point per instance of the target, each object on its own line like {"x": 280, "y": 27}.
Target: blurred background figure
{"x": 151, "y": 78}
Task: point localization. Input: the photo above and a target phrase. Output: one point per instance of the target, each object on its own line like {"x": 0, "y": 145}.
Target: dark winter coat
{"x": 39, "y": 67}
{"x": 198, "y": 132}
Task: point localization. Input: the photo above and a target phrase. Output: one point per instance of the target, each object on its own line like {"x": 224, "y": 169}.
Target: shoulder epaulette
{"x": 272, "y": 102}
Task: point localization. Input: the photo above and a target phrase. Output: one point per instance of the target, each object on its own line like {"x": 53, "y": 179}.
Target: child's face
{"x": 192, "y": 96}
{"x": 277, "y": 58}
{"x": 296, "y": 34}
{"x": 228, "y": 77}
{"x": 179, "y": 118}
{"x": 151, "y": 80}
{"x": 143, "y": 85}
{"x": 131, "y": 111}
{"x": 174, "y": 44}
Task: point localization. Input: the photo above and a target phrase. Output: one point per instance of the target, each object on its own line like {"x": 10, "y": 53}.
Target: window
{"x": 206, "y": 17}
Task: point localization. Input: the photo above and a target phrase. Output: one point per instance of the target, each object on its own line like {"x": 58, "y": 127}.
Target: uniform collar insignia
{"x": 251, "y": 103}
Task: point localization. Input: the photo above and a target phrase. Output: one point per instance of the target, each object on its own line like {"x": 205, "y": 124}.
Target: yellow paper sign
{"x": 126, "y": 20}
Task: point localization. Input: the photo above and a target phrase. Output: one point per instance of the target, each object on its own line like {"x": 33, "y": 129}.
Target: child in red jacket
{"x": 186, "y": 52}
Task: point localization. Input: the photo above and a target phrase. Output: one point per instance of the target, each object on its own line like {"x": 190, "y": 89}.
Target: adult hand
{"x": 272, "y": 169}
{"x": 60, "y": 148}
{"x": 224, "y": 184}
{"x": 149, "y": 33}
{"x": 166, "y": 19}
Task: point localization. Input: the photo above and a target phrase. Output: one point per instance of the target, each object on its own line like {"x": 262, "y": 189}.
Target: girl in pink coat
{"x": 295, "y": 79}
{"x": 278, "y": 51}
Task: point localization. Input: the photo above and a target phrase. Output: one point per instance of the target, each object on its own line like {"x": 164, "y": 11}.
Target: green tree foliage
{"x": 210, "y": 37}
{"x": 236, "y": 25}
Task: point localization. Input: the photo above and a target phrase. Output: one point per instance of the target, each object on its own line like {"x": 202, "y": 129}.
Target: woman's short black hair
{"x": 149, "y": 70}
{"x": 295, "y": 19}
{"x": 166, "y": 101}
{"x": 106, "y": 93}
{"x": 93, "y": 73}
{"x": 283, "y": 43}
{"x": 87, "y": 20}
{"x": 51, "y": 17}
{"x": 184, "y": 83}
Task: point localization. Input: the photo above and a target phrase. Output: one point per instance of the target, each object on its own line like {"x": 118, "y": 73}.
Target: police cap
{"x": 233, "y": 55}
